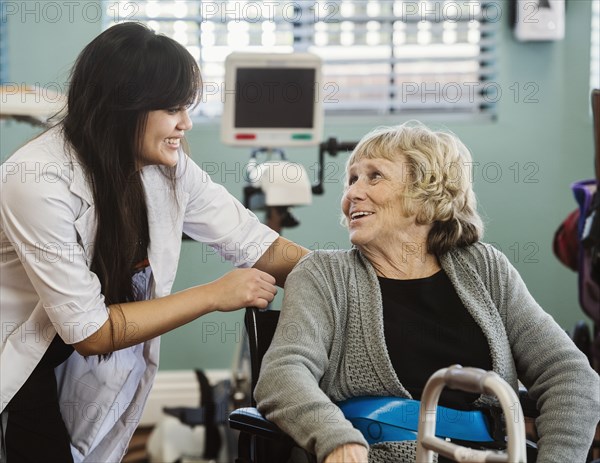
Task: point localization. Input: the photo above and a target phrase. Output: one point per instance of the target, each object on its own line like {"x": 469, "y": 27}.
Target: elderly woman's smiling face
{"x": 372, "y": 201}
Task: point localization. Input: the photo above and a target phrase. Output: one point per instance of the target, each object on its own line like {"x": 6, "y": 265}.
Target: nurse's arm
{"x": 131, "y": 323}
{"x": 280, "y": 258}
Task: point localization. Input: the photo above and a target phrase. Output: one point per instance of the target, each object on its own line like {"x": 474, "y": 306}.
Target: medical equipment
{"x": 283, "y": 183}
{"x": 271, "y": 100}
{"x": 480, "y": 382}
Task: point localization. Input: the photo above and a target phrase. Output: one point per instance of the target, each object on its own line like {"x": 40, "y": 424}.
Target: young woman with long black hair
{"x": 91, "y": 218}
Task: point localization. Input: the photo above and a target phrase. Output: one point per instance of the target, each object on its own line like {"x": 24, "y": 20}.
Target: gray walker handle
{"x": 477, "y": 381}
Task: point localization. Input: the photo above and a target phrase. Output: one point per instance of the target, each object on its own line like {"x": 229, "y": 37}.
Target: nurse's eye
{"x": 174, "y": 110}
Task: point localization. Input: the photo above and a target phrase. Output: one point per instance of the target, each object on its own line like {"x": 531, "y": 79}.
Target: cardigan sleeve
{"x": 557, "y": 375}
{"x": 288, "y": 391}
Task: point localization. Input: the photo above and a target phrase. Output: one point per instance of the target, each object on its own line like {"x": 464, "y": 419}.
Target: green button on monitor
{"x": 301, "y": 136}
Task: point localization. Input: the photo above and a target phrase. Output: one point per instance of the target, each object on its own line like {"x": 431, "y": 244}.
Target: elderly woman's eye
{"x": 352, "y": 180}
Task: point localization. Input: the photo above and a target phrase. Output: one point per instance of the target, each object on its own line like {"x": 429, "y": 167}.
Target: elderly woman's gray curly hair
{"x": 438, "y": 184}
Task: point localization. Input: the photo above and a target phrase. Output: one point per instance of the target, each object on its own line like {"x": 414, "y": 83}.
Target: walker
{"x": 476, "y": 381}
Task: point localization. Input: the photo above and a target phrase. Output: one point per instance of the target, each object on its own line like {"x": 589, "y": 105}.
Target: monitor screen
{"x": 272, "y": 100}
{"x": 275, "y": 97}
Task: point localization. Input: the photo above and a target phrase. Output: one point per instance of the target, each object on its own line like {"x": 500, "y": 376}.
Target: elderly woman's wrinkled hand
{"x": 348, "y": 453}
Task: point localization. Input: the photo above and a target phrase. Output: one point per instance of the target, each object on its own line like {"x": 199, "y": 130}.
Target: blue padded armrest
{"x": 250, "y": 420}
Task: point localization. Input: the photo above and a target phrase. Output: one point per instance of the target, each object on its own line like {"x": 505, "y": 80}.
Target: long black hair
{"x": 119, "y": 77}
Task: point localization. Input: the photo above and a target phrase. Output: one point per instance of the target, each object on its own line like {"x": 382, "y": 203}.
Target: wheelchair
{"x": 261, "y": 441}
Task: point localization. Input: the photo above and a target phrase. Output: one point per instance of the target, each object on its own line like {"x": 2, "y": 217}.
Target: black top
{"x": 35, "y": 430}
{"x": 426, "y": 328}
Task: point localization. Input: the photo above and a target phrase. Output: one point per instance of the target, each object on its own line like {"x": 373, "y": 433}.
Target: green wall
{"x": 527, "y": 158}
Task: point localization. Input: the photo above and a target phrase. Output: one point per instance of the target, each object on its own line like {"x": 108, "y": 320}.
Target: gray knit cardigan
{"x": 329, "y": 346}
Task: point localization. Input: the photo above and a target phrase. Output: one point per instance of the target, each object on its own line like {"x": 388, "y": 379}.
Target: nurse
{"x": 91, "y": 217}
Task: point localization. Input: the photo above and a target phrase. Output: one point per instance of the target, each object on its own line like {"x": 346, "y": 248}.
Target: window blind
{"x": 379, "y": 57}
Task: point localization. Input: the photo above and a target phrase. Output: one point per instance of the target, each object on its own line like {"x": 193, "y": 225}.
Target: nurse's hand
{"x": 348, "y": 453}
{"x": 133, "y": 322}
{"x": 240, "y": 288}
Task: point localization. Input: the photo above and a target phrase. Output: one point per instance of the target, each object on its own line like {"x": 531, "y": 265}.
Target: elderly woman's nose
{"x": 356, "y": 190}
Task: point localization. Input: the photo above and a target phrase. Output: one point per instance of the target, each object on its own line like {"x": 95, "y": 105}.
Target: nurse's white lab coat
{"x": 47, "y": 231}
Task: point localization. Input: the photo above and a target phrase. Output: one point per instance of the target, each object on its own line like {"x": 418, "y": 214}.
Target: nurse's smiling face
{"x": 165, "y": 128}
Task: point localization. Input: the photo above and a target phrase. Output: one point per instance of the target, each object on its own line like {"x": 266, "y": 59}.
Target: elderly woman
{"x": 416, "y": 293}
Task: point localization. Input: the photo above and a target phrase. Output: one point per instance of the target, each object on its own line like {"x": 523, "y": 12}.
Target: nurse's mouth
{"x": 173, "y": 142}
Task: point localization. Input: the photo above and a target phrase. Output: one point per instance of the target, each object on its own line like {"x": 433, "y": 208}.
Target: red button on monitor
{"x": 245, "y": 136}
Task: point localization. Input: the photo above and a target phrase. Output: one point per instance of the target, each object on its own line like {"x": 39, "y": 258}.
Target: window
{"x": 407, "y": 57}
